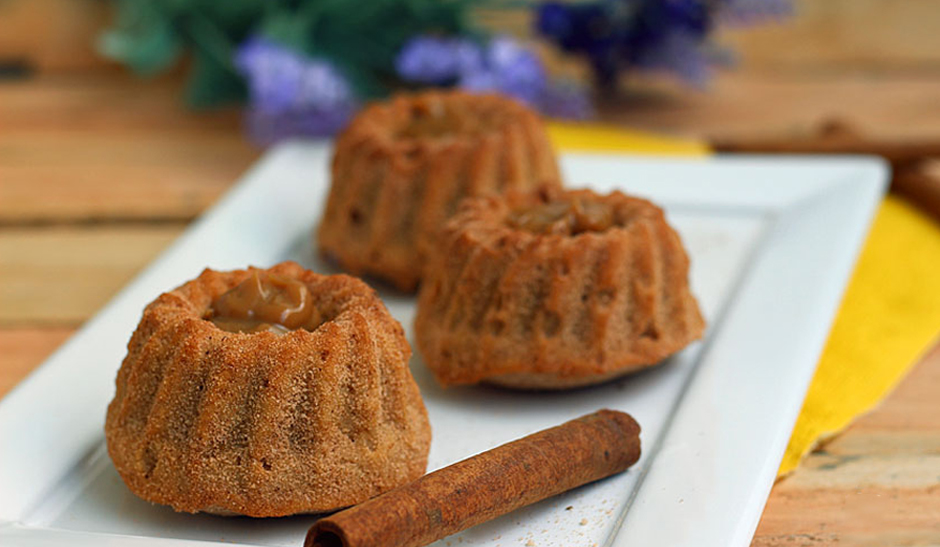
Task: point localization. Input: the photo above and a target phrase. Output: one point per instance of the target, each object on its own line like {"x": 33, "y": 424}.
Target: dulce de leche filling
{"x": 570, "y": 217}
{"x": 436, "y": 119}
{"x": 265, "y": 302}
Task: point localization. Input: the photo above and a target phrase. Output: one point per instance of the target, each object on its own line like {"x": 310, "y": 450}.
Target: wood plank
{"x": 53, "y": 34}
{"x": 845, "y": 36}
{"x": 748, "y": 104}
{"x": 107, "y": 146}
{"x": 101, "y": 176}
{"x": 101, "y": 101}
{"x": 862, "y": 516}
{"x": 876, "y": 484}
{"x": 23, "y": 349}
{"x": 62, "y": 276}
{"x": 914, "y": 406}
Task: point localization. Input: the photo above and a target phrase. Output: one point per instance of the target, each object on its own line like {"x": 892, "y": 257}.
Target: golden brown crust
{"x": 531, "y": 310}
{"x": 392, "y": 187}
{"x": 266, "y": 425}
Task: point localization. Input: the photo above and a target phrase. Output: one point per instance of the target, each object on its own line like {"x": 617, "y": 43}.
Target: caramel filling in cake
{"x": 564, "y": 217}
{"x": 265, "y": 302}
{"x": 437, "y": 119}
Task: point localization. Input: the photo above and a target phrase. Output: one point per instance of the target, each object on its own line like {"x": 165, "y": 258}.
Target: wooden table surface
{"x": 99, "y": 172}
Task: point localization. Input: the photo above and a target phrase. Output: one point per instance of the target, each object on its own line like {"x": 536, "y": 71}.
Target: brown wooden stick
{"x": 836, "y": 136}
{"x": 895, "y": 152}
{"x": 487, "y": 485}
{"x": 919, "y": 185}
{"x": 910, "y": 177}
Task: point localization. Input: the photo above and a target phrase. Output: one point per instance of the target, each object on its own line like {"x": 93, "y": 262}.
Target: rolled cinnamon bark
{"x": 487, "y": 485}
{"x": 920, "y": 185}
{"x": 895, "y": 152}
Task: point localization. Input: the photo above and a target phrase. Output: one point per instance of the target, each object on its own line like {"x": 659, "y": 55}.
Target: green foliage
{"x": 142, "y": 39}
{"x": 361, "y": 37}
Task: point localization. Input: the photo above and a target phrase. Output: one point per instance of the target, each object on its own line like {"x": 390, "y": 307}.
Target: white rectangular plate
{"x": 772, "y": 242}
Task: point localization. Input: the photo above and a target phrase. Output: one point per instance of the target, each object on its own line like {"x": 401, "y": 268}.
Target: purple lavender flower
{"x": 436, "y": 61}
{"x": 576, "y": 26}
{"x": 553, "y": 19}
{"x": 292, "y": 95}
{"x": 508, "y": 68}
{"x": 480, "y": 81}
{"x": 744, "y": 12}
{"x": 670, "y": 35}
{"x": 322, "y": 87}
{"x": 274, "y": 74}
{"x": 518, "y": 70}
{"x": 270, "y": 127}
{"x": 683, "y": 55}
{"x": 512, "y": 69}
{"x": 569, "y": 100}
{"x": 503, "y": 66}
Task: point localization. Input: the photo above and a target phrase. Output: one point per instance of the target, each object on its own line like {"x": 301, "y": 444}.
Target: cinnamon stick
{"x": 487, "y": 485}
{"x": 896, "y": 153}
{"x": 909, "y": 159}
{"x": 920, "y": 186}
{"x": 836, "y": 136}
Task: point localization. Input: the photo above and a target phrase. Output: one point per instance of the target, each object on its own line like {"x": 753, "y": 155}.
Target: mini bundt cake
{"x": 267, "y": 393}
{"x": 401, "y": 167}
{"x": 552, "y": 290}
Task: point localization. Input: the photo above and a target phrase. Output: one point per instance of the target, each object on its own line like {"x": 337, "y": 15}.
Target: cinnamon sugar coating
{"x": 401, "y": 167}
{"x": 262, "y": 424}
{"x": 582, "y": 289}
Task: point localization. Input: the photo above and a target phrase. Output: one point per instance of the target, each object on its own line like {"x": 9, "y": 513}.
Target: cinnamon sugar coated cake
{"x": 267, "y": 393}
{"x": 553, "y": 290}
{"x": 402, "y": 166}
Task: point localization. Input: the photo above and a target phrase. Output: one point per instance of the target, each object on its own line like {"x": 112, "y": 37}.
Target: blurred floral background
{"x": 305, "y": 66}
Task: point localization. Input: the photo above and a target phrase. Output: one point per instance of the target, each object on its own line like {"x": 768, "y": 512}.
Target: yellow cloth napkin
{"x": 890, "y": 312}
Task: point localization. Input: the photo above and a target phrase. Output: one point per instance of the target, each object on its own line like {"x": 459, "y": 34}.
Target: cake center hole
{"x": 569, "y": 217}
{"x": 438, "y": 119}
{"x": 265, "y": 302}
